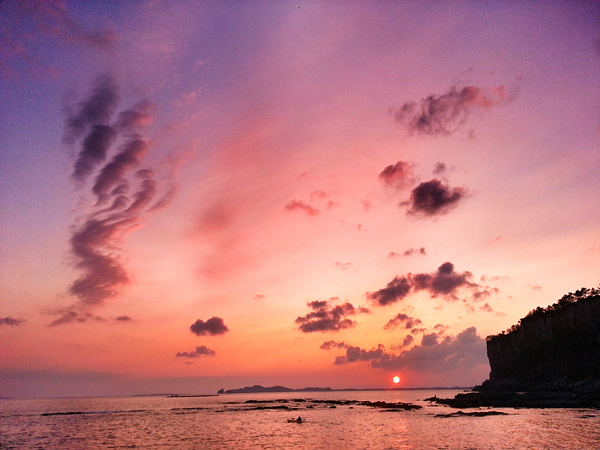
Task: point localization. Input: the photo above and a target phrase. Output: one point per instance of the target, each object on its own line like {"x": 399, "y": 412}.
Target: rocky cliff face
{"x": 552, "y": 347}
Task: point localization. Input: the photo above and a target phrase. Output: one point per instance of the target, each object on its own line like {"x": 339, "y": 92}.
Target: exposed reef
{"x": 473, "y": 414}
{"x": 296, "y": 404}
{"x": 551, "y": 358}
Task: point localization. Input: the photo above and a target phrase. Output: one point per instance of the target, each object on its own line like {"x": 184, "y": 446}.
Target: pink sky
{"x": 205, "y": 195}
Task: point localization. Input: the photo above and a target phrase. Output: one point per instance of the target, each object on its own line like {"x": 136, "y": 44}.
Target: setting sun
{"x": 396, "y": 379}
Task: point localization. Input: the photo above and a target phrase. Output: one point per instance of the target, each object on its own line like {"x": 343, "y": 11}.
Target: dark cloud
{"x": 96, "y": 109}
{"x": 187, "y": 355}
{"x": 433, "y": 197}
{"x": 413, "y": 251}
{"x": 444, "y": 282}
{"x": 113, "y": 173}
{"x": 11, "y": 321}
{"x": 396, "y": 290}
{"x": 466, "y": 349}
{"x": 94, "y": 244}
{"x": 203, "y": 350}
{"x": 444, "y": 114}
{"x": 300, "y": 205}
{"x": 399, "y": 175}
{"x": 97, "y": 237}
{"x": 402, "y": 319}
{"x": 94, "y": 150}
{"x": 429, "y": 340}
{"x": 354, "y": 354}
{"x": 328, "y": 345}
{"x": 406, "y": 342}
{"x": 123, "y": 319}
{"x": 325, "y": 317}
{"x": 212, "y": 327}
{"x": 72, "y": 316}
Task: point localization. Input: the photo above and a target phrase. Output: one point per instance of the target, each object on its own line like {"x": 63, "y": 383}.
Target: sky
{"x": 206, "y": 195}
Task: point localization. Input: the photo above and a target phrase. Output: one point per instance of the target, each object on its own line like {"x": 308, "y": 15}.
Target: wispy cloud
{"x": 27, "y": 23}
{"x": 444, "y": 114}
{"x": 124, "y": 192}
{"x": 298, "y": 205}
{"x": 202, "y": 350}
{"x": 408, "y": 252}
{"x": 11, "y": 321}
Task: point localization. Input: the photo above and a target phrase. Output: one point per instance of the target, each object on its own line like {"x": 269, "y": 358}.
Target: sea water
{"x": 260, "y": 421}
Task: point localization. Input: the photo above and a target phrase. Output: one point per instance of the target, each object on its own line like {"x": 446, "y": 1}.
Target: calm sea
{"x": 231, "y": 422}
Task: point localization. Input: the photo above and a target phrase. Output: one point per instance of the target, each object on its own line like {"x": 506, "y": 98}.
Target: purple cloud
{"x": 396, "y": 290}
{"x": 402, "y": 319}
{"x": 325, "y": 317}
{"x": 96, "y": 109}
{"x": 212, "y": 327}
{"x": 202, "y": 350}
{"x": 328, "y": 345}
{"x": 444, "y": 114}
{"x": 433, "y": 197}
{"x": 11, "y": 321}
{"x": 399, "y": 175}
{"x": 445, "y": 355}
{"x": 113, "y": 173}
{"x": 445, "y": 281}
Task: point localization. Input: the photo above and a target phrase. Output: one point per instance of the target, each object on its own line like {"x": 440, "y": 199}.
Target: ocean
{"x": 260, "y": 421}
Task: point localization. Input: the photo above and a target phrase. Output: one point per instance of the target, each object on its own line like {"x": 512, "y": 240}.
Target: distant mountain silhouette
{"x": 259, "y": 389}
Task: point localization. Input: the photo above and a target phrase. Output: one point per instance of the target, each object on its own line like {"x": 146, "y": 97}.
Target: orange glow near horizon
{"x": 332, "y": 195}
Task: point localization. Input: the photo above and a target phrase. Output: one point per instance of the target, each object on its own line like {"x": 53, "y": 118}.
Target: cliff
{"x": 552, "y": 347}
{"x": 550, "y": 359}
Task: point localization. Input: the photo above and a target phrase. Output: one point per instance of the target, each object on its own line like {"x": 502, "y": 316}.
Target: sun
{"x": 396, "y": 379}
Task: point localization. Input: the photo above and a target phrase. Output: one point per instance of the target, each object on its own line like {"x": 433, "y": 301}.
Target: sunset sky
{"x": 205, "y": 195}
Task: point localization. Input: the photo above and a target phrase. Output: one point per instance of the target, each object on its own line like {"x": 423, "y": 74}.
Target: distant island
{"x": 550, "y": 358}
{"x": 260, "y": 389}
{"x": 256, "y": 389}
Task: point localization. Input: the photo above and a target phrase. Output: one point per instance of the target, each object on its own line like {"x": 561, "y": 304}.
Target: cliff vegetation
{"x": 559, "y": 344}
